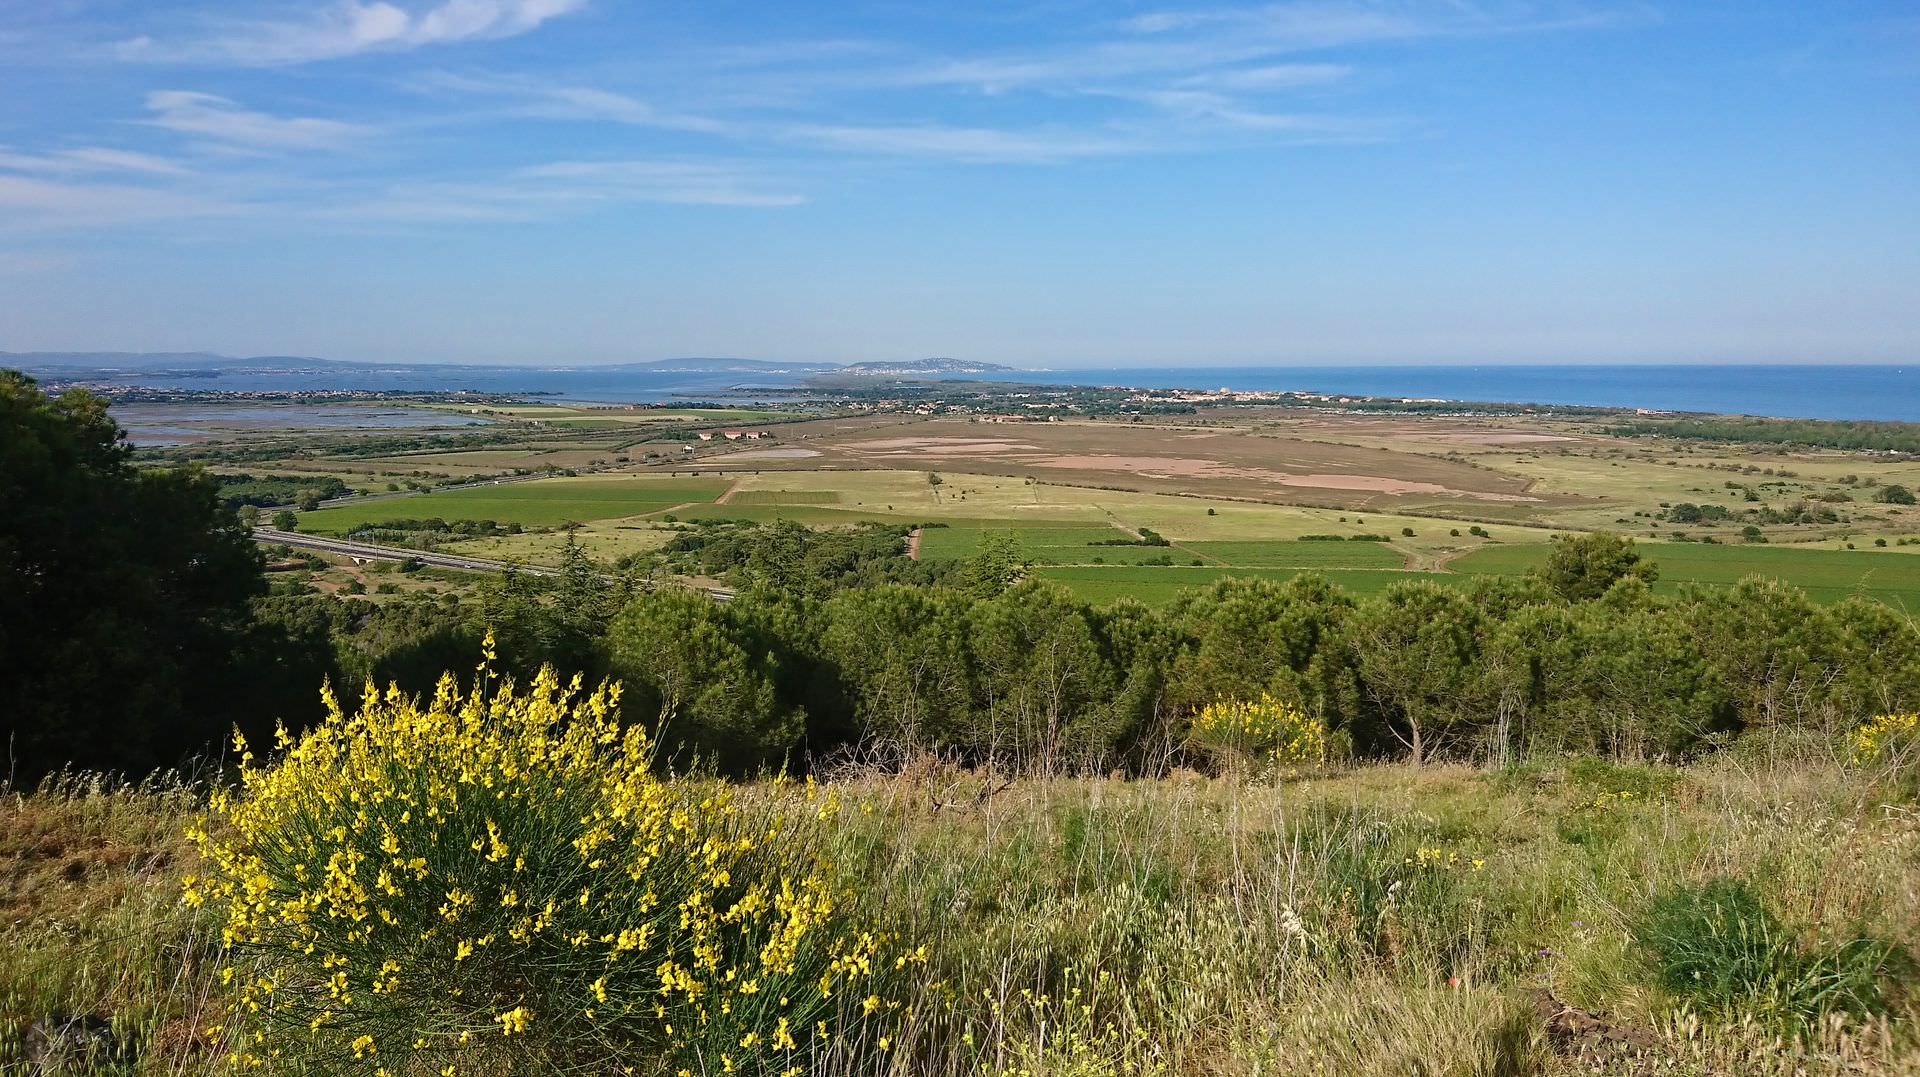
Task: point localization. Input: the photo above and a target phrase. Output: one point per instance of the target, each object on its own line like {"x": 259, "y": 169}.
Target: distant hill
{"x": 124, "y": 363}
{"x": 924, "y": 366}
{"x": 159, "y": 361}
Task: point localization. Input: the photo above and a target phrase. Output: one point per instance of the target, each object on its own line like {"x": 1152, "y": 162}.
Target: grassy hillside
{"x": 1372, "y": 922}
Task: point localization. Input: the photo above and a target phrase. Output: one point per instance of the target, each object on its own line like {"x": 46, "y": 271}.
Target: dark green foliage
{"x": 1582, "y": 567}
{"x": 697, "y": 665}
{"x": 1894, "y": 494}
{"x": 1686, "y": 512}
{"x": 1417, "y": 653}
{"x": 124, "y": 621}
{"x": 1148, "y": 537}
{"x": 1257, "y": 636}
{"x": 1043, "y": 686}
{"x": 785, "y": 555}
{"x": 1719, "y": 947}
{"x": 237, "y": 490}
{"x": 1904, "y": 437}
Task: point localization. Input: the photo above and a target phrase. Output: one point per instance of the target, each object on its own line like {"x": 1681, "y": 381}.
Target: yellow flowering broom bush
{"x": 498, "y": 882}
{"x": 1266, "y": 729}
{"x": 1890, "y": 744}
{"x": 1885, "y": 736}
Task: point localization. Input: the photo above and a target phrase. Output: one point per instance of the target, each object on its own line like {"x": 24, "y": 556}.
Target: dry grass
{"x": 1188, "y": 925}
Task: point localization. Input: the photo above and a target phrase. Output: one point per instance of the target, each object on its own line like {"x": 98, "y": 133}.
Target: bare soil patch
{"x": 765, "y": 454}
{"x": 941, "y": 446}
{"x": 1178, "y": 467}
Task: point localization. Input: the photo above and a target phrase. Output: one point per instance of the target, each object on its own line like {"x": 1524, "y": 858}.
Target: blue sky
{"x": 1053, "y": 183}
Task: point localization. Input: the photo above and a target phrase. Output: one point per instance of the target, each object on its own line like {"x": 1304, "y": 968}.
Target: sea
{"x": 1836, "y": 391}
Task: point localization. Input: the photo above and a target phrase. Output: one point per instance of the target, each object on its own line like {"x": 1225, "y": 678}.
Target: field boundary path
{"x": 1197, "y": 555}
{"x": 728, "y": 495}
{"x": 368, "y": 551}
{"x": 913, "y": 545}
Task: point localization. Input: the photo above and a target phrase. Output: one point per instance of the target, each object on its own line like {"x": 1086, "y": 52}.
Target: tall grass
{"x": 1376, "y": 920}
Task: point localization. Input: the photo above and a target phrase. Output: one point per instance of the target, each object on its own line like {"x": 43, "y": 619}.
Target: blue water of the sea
{"x": 1812, "y": 392}
{"x": 1800, "y": 392}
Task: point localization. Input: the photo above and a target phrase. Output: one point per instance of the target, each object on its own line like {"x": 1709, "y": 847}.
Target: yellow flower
{"x": 515, "y": 1020}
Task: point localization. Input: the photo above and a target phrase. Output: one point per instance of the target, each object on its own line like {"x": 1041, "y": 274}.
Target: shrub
{"x": 1885, "y": 736}
{"x": 1267, "y": 729}
{"x": 497, "y": 882}
{"x": 1718, "y": 946}
{"x": 1891, "y": 745}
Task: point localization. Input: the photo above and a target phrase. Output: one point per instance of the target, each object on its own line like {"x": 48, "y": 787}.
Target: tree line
{"x": 1855, "y": 434}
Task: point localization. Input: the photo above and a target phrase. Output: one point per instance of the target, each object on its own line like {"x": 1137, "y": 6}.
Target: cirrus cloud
{"x": 349, "y": 28}
{"x": 216, "y": 118}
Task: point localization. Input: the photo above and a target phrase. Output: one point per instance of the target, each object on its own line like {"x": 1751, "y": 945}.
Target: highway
{"x": 373, "y": 551}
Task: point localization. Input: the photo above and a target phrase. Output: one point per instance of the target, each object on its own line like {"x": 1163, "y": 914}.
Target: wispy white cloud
{"x": 220, "y": 120}
{"x": 1207, "y": 105}
{"x": 348, "y": 28}
{"x": 560, "y": 188}
{"x": 90, "y": 159}
{"x": 966, "y": 144}
{"x": 687, "y": 182}
{"x": 544, "y": 98}
{"x": 1265, "y": 77}
{"x": 31, "y": 204}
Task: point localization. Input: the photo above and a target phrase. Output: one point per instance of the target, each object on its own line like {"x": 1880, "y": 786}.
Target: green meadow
{"x": 544, "y": 503}
{"x": 1826, "y": 575}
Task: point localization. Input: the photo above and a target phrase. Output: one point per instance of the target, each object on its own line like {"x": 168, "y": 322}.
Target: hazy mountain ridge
{"x": 148, "y": 362}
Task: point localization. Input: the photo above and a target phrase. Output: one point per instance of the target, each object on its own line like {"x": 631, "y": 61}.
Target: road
{"x": 375, "y": 552}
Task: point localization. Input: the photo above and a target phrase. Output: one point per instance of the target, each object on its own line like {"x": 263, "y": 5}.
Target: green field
{"x": 1826, "y": 575}
{"x": 546, "y": 503}
{"x": 1297, "y": 554}
{"x": 1070, "y": 545}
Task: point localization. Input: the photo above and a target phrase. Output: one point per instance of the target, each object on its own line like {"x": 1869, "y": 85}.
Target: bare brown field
{"x": 1265, "y": 461}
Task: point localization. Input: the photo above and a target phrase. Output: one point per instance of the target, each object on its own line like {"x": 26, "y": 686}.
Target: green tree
{"x": 995, "y": 566}
{"x": 1775, "y": 651}
{"x": 1581, "y": 567}
{"x": 124, "y": 616}
{"x": 1141, "y": 646}
{"x": 286, "y": 520}
{"x": 682, "y": 656}
{"x": 1041, "y": 679}
{"x": 901, "y": 652}
{"x": 1894, "y": 494}
{"x": 1255, "y": 636}
{"x": 1878, "y": 651}
{"x": 1417, "y": 650}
